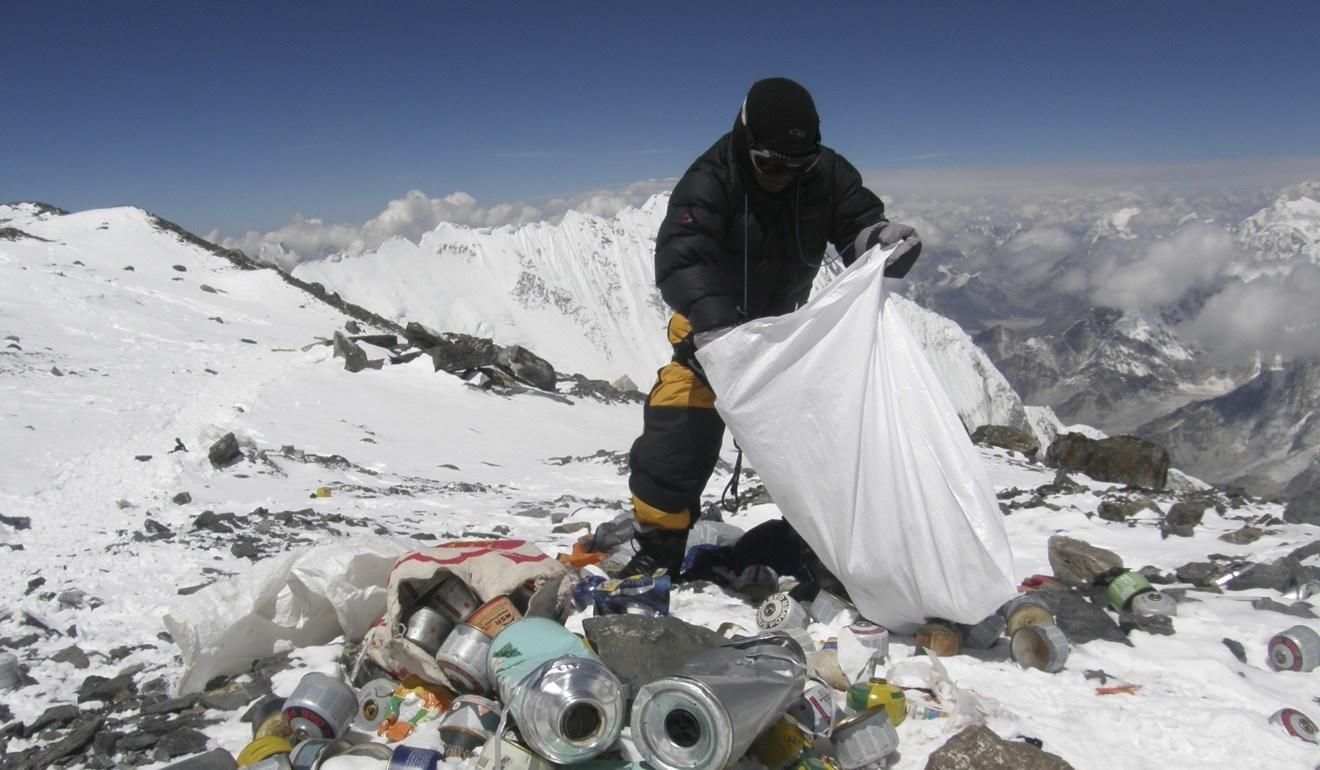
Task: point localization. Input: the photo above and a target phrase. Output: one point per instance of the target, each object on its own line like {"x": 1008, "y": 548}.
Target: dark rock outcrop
{"x": 1119, "y": 459}
{"x": 1005, "y": 437}
{"x": 980, "y": 748}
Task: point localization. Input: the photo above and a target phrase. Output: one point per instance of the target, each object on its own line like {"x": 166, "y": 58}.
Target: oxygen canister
{"x": 872, "y": 636}
{"x": 455, "y": 599}
{"x": 708, "y": 713}
{"x": 832, "y": 610}
{"x": 781, "y": 744}
{"x": 781, "y": 611}
{"x": 1296, "y": 724}
{"x": 1153, "y": 603}
{"x": 983, "y": 635}
{"x": 373, "y": 703}
{"x": 568, "y": 706}
{"x": 878, "y": 693}
{"x": 261, "y": 748}
{"x": 470, "y": 721}
{"x": 1307, "y": 590}
{"x": 267, "y": 718}
{"x": 1042, "y": 647}
{"x": 1025, "y": 610}
{"x": 427, "y": 628}
{"x": 1296, "y": 649}
{"x": 463, "y": 659}
{"x": 320, "y": 706}
{"x": 814, "y": 711}
{"x": 939, "y": 638}
{"x": 494, "y": 616}
{"x": 864, "y": 739}
{"x": 1122, "y": 588}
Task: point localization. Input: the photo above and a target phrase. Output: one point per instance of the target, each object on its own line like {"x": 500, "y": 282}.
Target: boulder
{"x": 1119, "y": 459}
{"x": 1079, "y": 563}
{"x": 1124, "y": 508}
{"x": 355, "y": 358}
{"x": 225, "y": 452}
{"x": 1005, "y": 437}
{"x": 1080, "y": 620}
{"x": 979, "y": 748}
{"x": 1183, "y": 518}
{"x": 642, "y": 649}
{"x": 1304, "y": 508}
{"x": 528, "y": 367}
{"x": 456, "y": 353}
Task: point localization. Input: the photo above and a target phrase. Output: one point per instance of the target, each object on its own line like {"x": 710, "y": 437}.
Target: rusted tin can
{"x": 427, "y": 628}
{"x": 261, "y": 748}
{"x": 814, "y": 711}
{"x": 1296, "y": 649}
{"x": 463, "y": 659}
{"x": 781, "y": 611}
{"x": 939, "y": 638}
{"x": 781, "y": 744}
{"x": 455, "y": 599}
{"x": 879, "y": 693}
{"x": 373, "y": 703}
{"x": 1296, "y": 724}
{"x": 494, "y": 616}
{"x": 320, "y": 706}
{"x": 470, "y": 721}
{"x": 832, "y": 610}
{"x": 864, "y": 739}
{"x": 1042, "y": 647}
{"x": 1025, "y": 610}
{"x": 1153, "y": 603}
{"x": 1122, "y": 588}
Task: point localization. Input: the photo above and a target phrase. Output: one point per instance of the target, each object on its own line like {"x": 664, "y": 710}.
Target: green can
{"x": 878, "y": 693}
{"x": 1124, "y": 587}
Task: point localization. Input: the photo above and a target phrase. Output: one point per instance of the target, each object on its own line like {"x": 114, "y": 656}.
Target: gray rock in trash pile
{"x": 1005, "y": 437}
{"x": 1236, "y": 647}
{"x": 1183, "y": 518}
{"x": 1297, "y": 610}
{"x": 355, "y": 358}
{"x": 528, "y": 367}
{"x": 980, "y": 748}
{"x": 73, "y": 655}
{"x": 184, "y": 740}
{"x": 225, "y": 452}
{"x": 1119, "y": 459}
{"x": 1303, "y": 508}
{"x": 1158, "y": 625}
{"x": 642, "y": 649}
{"x": 1080, "y": 620}
{"x": 55, "y": 716}
{"x": 1079, "y": 563}
{"x": 71, "y": 745}
{"x": 109, "y": 690}
{"x": 1124, "y": 508}
{"x": 1244, "y": 536}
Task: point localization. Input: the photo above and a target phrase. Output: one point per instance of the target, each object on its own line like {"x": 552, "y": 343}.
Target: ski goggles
{"x": 771, "y": 163}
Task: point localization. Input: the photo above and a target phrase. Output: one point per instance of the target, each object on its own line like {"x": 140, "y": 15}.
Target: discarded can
{"x": 872, "y": 636}
{"x": 832, "y": 610}
{"x": 864, "y": 739}
{"x": 9, "y": 674}
{"x": 494, "y": 616}
{"x": 427, "y": 628}
{"x": 470, "y": 721}
{"x": 414, "y": 758}
{"x": 1296, "y": 649}
{"x": 879, "y": 693}
{"x": 708, "y": 713}
{"x": 781, "y": 611}
{"x": 463, "y": 659}
{"x": 568, "y": 706}
{"x": 939, "y": 639}
{"x": 267, "y": 718}
{"x": 1307, "y": 590}
{"x": 634, "y": 595}
{"x": 373, "y": 703}
{"x": 1122, "y": 588}
{"x": 815, "y": 762}
{"x": 780, "y": 745}
{"x": 1153, "y": 603}
{"x": 1025, "y": 610}
{"x": 320, "y": 707}
{"x": 455, "y": 599}
{"x": 584, "y": 588}
{"x": 503, "y": 753}
{"x": 305, "y": 755}
{"x": 757, "y": 581}
{"x": 277, "y": 762}
{"x": 814, "y": 711}
{"x": 1296, "y": 724}
{"x": 731, "y": 630}
{"x": 1042, "y": 647}
{"x": 413, "y": 702}
{"x": 983, "y": 635}
{"x": 261, "y": 748}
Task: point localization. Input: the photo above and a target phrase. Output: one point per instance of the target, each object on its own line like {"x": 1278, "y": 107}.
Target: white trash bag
{"x": 856, "y": 440}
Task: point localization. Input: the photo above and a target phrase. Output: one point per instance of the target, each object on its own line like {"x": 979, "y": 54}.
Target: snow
{"x": 142, "y": 363}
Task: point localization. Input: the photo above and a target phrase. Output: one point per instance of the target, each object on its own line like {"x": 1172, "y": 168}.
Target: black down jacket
{"x": 729, "y": 251}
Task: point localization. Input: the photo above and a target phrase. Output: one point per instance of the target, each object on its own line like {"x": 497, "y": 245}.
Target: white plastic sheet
{"x": 305, "y": 597}
{"x": 855, "y": 439}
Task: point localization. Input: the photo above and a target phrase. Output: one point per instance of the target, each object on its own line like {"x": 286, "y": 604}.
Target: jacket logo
{"x": 686, "y": 219}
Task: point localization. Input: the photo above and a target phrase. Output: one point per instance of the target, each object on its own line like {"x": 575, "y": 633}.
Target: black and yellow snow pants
{"x": 680, "y": 443}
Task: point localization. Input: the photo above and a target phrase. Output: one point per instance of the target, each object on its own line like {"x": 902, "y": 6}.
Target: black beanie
{"x": 780, "y": 115}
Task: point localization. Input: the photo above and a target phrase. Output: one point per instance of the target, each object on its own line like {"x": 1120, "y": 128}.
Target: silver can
{"x": 455, "y": 599}
{"x": 470, "y": 721}
{"x": 373, "y": 704}
{"x": 463, "y": 659}
{"x": 708, "y": 713}
{"x": 428, "y": 628}
{"x": 781, "y": 611}
{"x": 872, "y": 636}
{"x": 864, "y": 739}
{"x": 1296, "y": 724}
{"x": 320, "y": 707}
{"x": 1042, "y": 647}
{"x": 832, "y": 610}
{"x": 1154, "y": 603}
{"x": 1296, "y": 649}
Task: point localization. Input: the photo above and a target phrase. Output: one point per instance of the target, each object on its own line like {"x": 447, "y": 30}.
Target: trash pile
{"x": 472, "y": 663}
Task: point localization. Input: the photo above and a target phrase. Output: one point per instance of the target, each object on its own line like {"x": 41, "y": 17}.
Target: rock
{"x": 1155, "y": 575}
{"x": 1276, "y": 576}
{"x": 625, "y": 384}
{"x": 225, "y": 452}
{"x": 183, "y": 498}
{"x": 215, "y": 522}
{"x": 72, "y": 655}
{"x": 1244, "y": 536}
{"x": 1078, "y": 563}
{"x": 183, "y": 741}
{"x": 642, "y": 649}
{"x": 387, "y": 341}
{"x": 459, "y": 352}
{"x": 16, "y": 522}
{"x": 19, "y": 642}
{"x": 245, "y": 549}
{"x": 70, "y": 745}
{"x": 1235, "y": 647}
{"x": 1159, "y": 625}
{"x": 528, "y": 367}
{"x": 137, "y": 742}
{"x": 1304, "y": 508}
{"x": 108, "y": 690}
{"x": 156, "y": 530}
{"x": 1202, "y": 573}
{"x": 106, "y": 742}
{"x": 1124, "y": 508}
{"x": 1183, "y": 518}
{"x": 352, "y": 327}
{"x": 55, "y": 716}
{"x": 1118, "y": 459}
{"x": 355, "y": 358}
{"x": 570, "y": 527}
{"x": 1298, "y": 610}
{"x": 979, "y": 748}
{"x": 1005, "y": 437}
{"x": 1079, "y": 619}
{"x": 181, "y": 268}
{"x": 228, "y": 698}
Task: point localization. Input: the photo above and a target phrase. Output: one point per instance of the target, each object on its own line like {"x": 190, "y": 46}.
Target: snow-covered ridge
{"x": 1284, "y": 234}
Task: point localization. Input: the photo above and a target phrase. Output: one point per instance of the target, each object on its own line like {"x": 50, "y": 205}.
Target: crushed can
{"x": 1042, "y": 647}
{"x": 463, "y": 659}
{"x": 1025, "y": 610}
{"x": 707, "y": 714}
{"x": 470, "y": 721}
{"x": 1123, "y": 588}
{"x": 781, "y": 611}
{"x": 583, "y": 590}
{"x": 320, "y": 706}
{"x": 1296, "y": 724}
{"x": 1295, "y": 649}
{"x": 634, "y": 595}
{"x": 306, "y": 754}
{"x": 864, "y": 739}
{"x": 814, "y": 711}
{"x": 939, "y": 638}
{"x": 427, "y": 628}
{"x": 879, "y": 693}
{"x": 568, "y": 706}
{"x": 1307, "y": 590}
{"x": 782, "y": 744}
{"x": 832, "y": 610}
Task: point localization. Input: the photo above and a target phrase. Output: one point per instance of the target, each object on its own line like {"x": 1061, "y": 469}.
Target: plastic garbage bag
{"x": 305, "y": 597}
{"x": 854, "y": 437}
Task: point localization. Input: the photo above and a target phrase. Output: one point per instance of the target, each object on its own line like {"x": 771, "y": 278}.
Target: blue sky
{"x": 235, "y": 116}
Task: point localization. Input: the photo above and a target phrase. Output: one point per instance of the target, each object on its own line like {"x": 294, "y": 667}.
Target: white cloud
{"x": 1275, "y": 315}
{"x": 1138, "y": 275}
